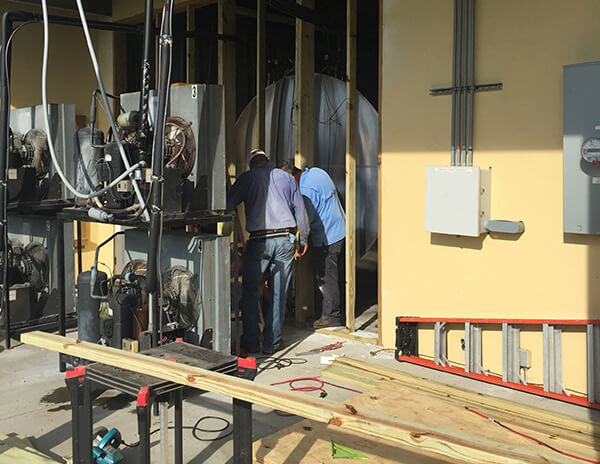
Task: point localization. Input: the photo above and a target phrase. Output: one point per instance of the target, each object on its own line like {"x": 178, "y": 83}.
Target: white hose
{"x": 129, "y": 169}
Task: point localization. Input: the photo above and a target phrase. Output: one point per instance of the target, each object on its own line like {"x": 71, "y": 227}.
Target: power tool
{"x": 106, "y": 444}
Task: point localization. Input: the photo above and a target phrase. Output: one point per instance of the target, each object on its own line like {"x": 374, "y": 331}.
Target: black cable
{"x": 195, "y": 429}
{"x": 268, "y": 362}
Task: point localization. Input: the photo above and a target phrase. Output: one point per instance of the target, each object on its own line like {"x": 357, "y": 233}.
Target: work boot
{"x": 323, "y": 323}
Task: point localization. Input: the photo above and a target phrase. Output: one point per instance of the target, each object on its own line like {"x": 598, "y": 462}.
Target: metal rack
{"x": 514, "y": 359}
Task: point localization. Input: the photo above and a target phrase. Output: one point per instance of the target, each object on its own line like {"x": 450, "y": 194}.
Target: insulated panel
{"x": 457, "y": 200}
{"x": 581, "y": 149}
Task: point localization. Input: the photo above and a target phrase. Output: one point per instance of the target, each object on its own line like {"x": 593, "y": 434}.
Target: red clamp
{"x": 78, "y": 372}
{"x": 246, "y": 368}
{"x": 143, "y": 397}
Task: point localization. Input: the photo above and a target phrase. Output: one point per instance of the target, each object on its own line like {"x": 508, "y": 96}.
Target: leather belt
{"x": 266, "y": 233}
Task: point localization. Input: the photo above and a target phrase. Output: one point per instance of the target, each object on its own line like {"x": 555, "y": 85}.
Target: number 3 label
{"x": 194, "y": 91}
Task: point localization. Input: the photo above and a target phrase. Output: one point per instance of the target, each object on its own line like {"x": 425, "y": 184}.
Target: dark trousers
{"x": 328, "y": 269}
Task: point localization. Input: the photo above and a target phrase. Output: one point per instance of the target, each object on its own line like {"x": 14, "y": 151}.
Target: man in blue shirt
{"x": 274, "y": 212}
{"x": 327, "y": 236}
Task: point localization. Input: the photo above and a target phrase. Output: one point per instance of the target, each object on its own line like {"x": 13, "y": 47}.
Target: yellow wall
{"x": 518, "y": 132}
{"x": 70, "y": 80}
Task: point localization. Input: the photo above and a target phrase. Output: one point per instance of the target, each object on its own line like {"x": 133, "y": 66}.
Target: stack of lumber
{"x": 435, "y": 406}
{"x": 19, "y": 450}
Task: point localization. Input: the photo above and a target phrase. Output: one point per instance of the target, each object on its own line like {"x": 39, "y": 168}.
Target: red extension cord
{"x": 539, "y": 442}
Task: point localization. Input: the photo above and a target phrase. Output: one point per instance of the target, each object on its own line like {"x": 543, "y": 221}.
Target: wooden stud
{"x": 304, "y": 155}
{"x": 379, "y": 184}
{"x": 261, "y": 70}
{"x": 410, "y": 434}
{"x": 227, "y": 72}
{"x": 190, "y": 45}
{"x": 351, "y": 107}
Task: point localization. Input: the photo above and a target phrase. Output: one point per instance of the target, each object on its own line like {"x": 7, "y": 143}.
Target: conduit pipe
{"x": 463, "y": 138}
{"x": 454, "y": 83}
{"x": 459, "y": 81}
{"x": 471, "y": 78}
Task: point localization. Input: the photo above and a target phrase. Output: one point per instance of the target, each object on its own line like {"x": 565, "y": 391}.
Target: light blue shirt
{"x": 325, "y": 212}
{"x": 271, "y": 199}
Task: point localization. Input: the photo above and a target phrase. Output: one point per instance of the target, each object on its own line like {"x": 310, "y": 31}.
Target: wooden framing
{"x": 351, "y": 107}
{"x": 304, "y": 155}
{"x": 379, "y": 182}
{"x": 190, "y": 45}
{"x": 227, "y": 71}
{"x": 261, "y": 70}
{"x": 410, "y": 434}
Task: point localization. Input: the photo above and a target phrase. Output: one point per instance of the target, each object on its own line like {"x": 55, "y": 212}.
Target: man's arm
{"x": 300, "y": 214}
{"x": 237, "y": 192}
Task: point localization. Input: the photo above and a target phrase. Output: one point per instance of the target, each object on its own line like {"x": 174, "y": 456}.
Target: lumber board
{"x": 308, "y": 442}
{"x": 18, "y": 449}
{"x": 351, "y": 129}
{"x": 261, "y": 70}
{"x": 342, "y": 332}
{"x": 370, "y": 423}
{"x": 492, "y": 404}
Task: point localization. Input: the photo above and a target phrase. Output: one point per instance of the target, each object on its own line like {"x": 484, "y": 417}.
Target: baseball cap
{"x": 255, "y": 152}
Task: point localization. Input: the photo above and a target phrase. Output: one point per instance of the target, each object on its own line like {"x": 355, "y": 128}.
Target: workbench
{"x": 88, "y": 381}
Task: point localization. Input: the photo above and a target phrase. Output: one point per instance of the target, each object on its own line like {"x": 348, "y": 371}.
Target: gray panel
{"x": 203, "y": 106}
{"x": 28, "y": 229}
{"x": 206, "y": 255}
{"x": 61, "y": 118}
{"x": 581, "y": 122}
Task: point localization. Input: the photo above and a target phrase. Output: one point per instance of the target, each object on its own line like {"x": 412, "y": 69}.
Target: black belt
{"x": 272, "y": 232}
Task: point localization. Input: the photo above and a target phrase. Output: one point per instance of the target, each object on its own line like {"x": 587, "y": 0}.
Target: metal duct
{"x": 330, "y": 143}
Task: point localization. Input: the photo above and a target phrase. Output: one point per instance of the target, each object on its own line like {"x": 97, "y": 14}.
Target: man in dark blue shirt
{"x": 274, "y": 212}
{"x": 327, "y": 236}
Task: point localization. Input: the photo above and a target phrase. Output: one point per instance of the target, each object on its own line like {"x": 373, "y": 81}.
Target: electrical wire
{"x": 529, "y": 437}
{"x": 269, "y": 362}
{"x": 195, "y": 429}
{"x": 129, "y": 169}
{"x": 309, "y": 388}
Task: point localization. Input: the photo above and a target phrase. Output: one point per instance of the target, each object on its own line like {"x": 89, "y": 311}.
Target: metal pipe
{"x": 453, "y": 130}
{"x": 463, "y": 153}
{"x": 7, "y": 24}
{"x": 458, "y": 82}
{"x": 144, "y": 123}
{"x": 158, "y": 152}
{"x": 471, "y": 79}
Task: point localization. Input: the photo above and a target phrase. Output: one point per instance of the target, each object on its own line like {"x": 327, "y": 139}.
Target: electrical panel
{"x": 581, "y": 149}
{"x": 202, "y": 106}
{"x": 457, "y": 200}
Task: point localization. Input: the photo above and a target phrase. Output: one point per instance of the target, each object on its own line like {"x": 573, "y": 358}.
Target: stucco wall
{"x": 518, "y": 132}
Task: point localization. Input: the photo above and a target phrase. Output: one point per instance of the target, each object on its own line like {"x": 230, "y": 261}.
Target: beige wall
{"x": 518, "y": 132}
{"x": 70, "y": 80}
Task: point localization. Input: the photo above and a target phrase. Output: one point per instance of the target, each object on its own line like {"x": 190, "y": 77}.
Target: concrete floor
{"x": 35, "y": 402}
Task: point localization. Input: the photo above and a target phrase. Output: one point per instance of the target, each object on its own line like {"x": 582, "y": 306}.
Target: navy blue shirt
{"x": 325, "y": 212}
{"x": 271, "y": 199}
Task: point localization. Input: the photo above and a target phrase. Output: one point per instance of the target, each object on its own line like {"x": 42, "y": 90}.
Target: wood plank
{"x": 304, "y": 156}
{"x": 342, "y": 333}
{"x": 310, "y": 439}
{"x": 190, "y": 45}
{"x": 227, "y": 72}
{"x": 371, "y": 423}
{"x": 379, "y": 181}
{"x": 261, "y": 70}
{"x": 492, "y": 404}
{"x": 351, "y": 108}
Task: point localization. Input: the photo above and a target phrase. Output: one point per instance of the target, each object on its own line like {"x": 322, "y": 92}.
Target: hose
{"x": 129, "y": 169}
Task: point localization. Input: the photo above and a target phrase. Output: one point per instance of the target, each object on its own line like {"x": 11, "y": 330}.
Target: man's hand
{"x": 300, "y": 254}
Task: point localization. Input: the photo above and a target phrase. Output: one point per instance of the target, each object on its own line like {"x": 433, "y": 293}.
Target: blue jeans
{"x": 277, "y": 255}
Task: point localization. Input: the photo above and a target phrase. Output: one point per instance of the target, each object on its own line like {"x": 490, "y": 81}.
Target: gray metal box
{"x": 581, "y": 149}
{"x": 28, "y": 229}
{"x": 203, "y": 105}
{"x": 205, "y": 255}
{"x": 61, "y": 118}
